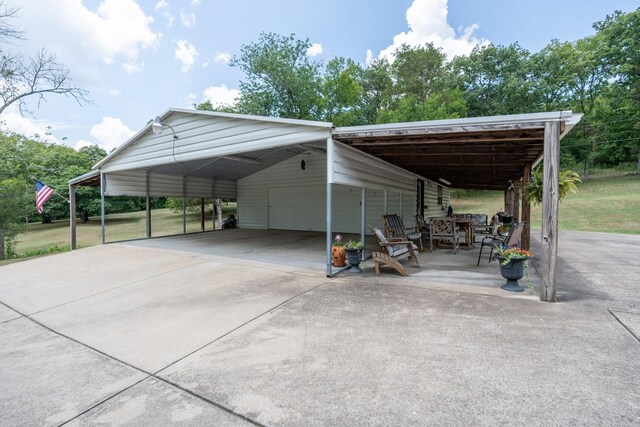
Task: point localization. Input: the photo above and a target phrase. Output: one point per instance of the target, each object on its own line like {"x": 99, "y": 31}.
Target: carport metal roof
{"x": 480, "y": 153}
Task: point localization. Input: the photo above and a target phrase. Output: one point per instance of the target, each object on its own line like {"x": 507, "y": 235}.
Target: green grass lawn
{"x": 41, "y": 238}
{"x": 607, "y": 203}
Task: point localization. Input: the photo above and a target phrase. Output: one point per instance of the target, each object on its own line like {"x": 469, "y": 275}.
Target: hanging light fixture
{"x": 158, "y": 126}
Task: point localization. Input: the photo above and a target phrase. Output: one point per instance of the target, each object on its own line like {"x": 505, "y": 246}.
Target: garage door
{"x": 297, "y": 208}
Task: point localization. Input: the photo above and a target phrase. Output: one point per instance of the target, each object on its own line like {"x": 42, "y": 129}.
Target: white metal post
{"x": 363, "y": 217}
{"x": 329, "y": 201}
{"x": 213, "y": 203}
{"x": 148, "y": 194}
{"x": 184, "y": 204}
{"x": 102, "y": 188}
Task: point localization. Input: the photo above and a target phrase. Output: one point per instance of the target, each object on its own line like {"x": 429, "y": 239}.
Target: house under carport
{"x": 305, "y": 175}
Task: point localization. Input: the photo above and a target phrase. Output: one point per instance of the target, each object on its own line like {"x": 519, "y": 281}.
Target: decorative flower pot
{"x": 338, "y": 255}
{"x": 512, "y": 271}
{"x": 353, "y": 257}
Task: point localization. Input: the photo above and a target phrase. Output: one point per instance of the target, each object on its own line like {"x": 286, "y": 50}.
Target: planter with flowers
{"x": 513, "y": 263}
{"x": 354, "y": 254}
{"x": 338, "y": 253}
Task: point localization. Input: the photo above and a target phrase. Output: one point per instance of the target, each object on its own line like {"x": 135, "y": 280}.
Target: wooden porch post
{"x": 72, "y": 216}
{"x": 549, "y": 241}
{"x": 516, "y": 201}
{"x": 526, "y": 208}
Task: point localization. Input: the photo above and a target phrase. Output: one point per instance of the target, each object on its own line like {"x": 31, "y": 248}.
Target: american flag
{"x": 43, "y": 192}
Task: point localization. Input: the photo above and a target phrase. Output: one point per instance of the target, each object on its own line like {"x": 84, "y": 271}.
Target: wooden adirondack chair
{"x": 395, "y": 228}
{"x": 391, "y": 250}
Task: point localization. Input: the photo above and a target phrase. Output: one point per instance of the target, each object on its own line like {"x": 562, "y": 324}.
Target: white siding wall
{"x": 253, "y": 191}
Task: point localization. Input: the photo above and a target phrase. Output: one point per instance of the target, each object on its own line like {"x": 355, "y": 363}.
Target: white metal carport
{"x": 216, "y": 154}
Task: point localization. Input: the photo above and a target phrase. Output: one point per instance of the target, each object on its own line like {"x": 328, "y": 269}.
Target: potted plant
{"x": 513, "y": 263}
{"x": 338, "y": 254}
{"x": 354, "y": 251}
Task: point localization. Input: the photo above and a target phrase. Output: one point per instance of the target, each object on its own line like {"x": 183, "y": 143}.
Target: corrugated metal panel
{"x": 253, "y": 190}
{"x": 297, "y": 207}
{"x": 132, "y": 183}
{"x": 346, "y": 209}
{"x": 226, "y": 189}
{"x": 375, "y": 208}
{"x": 355, "y": 168}
{"x": 202, "y": 137}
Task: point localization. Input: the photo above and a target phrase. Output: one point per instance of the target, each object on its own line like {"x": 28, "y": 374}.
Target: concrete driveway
{"x": 124, "y": 334}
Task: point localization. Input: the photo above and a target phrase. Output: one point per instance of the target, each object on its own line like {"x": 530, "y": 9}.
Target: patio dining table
{"x": 467, "y": 226}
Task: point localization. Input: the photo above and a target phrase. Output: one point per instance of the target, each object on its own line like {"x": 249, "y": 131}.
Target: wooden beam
{"x": 549, "y": 241}
{"x": 526, "y": 208}
{"x": 72, "y": 217}
{"x": 430, "y": 130}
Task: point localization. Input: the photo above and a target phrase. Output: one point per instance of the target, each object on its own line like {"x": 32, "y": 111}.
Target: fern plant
{"x": 566, "y": 185}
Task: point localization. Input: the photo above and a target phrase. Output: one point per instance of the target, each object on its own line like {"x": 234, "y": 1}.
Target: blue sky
{"x": 139, "y": 57}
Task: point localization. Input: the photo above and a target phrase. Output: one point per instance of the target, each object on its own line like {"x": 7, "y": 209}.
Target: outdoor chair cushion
{"x": 380, "y": 235}
{"x": 398, "y": 250}
{"x": 414, "y": 235}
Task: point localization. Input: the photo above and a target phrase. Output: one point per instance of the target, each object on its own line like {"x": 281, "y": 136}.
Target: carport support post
{"x": 549, "y": 241}
{"x": 213, "y": 203}
{"x": 202, "y": 214}
{"x": 148, "y": 194}
{"x": 526, "y": 208}
{"x": 184, "y": 204}
{"x": 102, "y": 204}
{"x": 363, "y": 216}
{"x": 329, "y": 201}
{"x": 72, "y": 216}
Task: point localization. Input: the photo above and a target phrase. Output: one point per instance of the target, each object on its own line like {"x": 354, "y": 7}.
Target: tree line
{"x": 598, "y": 76}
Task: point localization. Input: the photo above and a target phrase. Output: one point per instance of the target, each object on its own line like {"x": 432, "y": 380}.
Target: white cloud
{"x": 113, "y": 92}
{"x": 162, "y": 7}
{"x": 221, "y": 95}
{"x": 31, "y": 128}
{"x": 188, "y": 19}
{"x": 196, "y": 3}
{"x": 186, "y": 53}
{"x": 115, "y": 32}
{"x": 314, "y": 50}
{"x": 110, "y": 133}
{"x": 223, "y": 57}
{"x": 205, "y": 64}
{"x": 131, "y": 68}
{"x": 427, "y": 20}
{"x": 369, "y": 58}
{"x": 83, "y": 143}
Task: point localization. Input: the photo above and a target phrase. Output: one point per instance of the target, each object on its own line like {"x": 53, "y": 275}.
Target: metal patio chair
{"x": 511, "y": 240}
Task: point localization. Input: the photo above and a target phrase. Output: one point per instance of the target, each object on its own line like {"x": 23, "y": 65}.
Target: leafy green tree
{"x": 620, "y": 37}
{"x": 495, "y": 80}
{"x": 341, "y": 92}
{"x": 377, "y": 87}
{"x": 281, "y": 79}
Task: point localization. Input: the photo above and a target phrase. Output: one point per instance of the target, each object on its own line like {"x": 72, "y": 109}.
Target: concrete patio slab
{"x": 352, "y": 353}
{"x": 63, "y": 279}
{"x": 47, "y": 379}
{"x": 156, "y": 403}
{"x": 154, "y": 322}
{"x": 631, "y": 321}
{"x": 7, "y": 314}
{"x": 252, "y": 332}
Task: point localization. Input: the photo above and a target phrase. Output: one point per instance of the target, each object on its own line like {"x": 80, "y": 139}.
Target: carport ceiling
{"x": 484, "y": 156}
